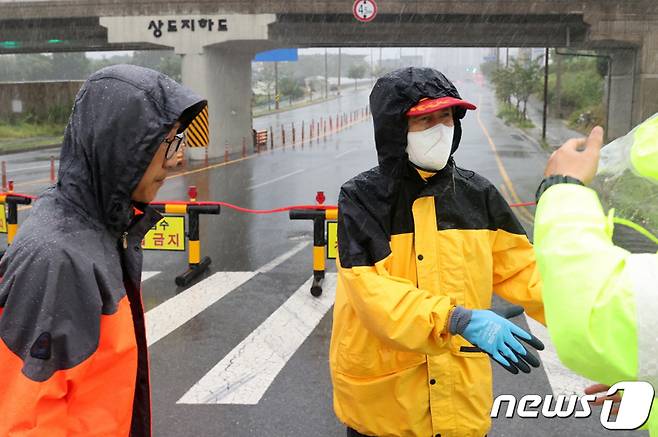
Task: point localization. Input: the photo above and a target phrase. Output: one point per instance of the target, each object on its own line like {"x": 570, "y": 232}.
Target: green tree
{"x": 380, "y": 70}
{"x": 171, "y": 65}
{"x": 165, "y": 61}
{"x": 33, "y": 67}
{"x": 291, "y": 87}
{"x": 265, "y": 74}
{"x": 503, "y": 80}
{"x": 25, "y": 67}
{"x": 313, "y": 86}
{"x": 70, "y": 66}
{"x": 313, "y": 65}
{"x": 527, "y": 81}
{"x": 356, "y": 72}
{"x": 97, "y": 64}
{"x": 489, "y": 68}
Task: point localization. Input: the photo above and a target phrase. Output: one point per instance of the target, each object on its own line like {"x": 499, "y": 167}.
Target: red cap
{"x": 426, "y": 105}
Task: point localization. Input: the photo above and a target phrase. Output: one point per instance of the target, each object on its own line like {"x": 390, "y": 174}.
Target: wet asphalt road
{"x": 265, "y": 257}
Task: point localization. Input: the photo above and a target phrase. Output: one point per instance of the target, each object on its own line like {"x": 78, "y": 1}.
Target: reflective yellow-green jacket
{"x": 601, "y": 301}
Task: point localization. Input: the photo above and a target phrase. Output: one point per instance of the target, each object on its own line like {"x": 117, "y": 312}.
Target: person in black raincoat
{"x": 73, "y": 354}
{"x": 422, "y": 244}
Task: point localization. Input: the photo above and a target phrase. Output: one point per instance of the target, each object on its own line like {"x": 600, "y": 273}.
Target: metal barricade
{"x": 320, "y": 217}
{"x": 196, "y": 264}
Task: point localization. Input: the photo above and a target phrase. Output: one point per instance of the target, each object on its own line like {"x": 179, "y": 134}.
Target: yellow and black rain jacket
{"x": 412, "y": 246}
{"x": 73, "y": 354}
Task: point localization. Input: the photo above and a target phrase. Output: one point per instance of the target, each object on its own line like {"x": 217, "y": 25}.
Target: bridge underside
{"x": 337, "y": 30}
{"x": 454, "y": 30}
{"x": 58, "y": 35}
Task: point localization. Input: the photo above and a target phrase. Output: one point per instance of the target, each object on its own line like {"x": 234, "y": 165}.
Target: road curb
{"x": 30, "y": 149}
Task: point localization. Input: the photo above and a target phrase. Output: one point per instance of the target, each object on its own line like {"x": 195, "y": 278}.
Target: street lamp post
{"x": 326, "y": 75}
{"x": 339, "y": 69}
{"x": 276, "y": 85}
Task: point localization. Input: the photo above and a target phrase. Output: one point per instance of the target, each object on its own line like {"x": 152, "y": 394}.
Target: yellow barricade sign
{"x": 3, "y": 219}
{"x": 167, "y": 234}
{"x": 332, "y": 240}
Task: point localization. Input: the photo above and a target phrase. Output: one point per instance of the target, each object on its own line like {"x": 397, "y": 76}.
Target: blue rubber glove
{"x": 499, "y": 337}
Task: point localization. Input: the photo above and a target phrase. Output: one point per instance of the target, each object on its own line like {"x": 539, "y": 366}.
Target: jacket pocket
{"x": 361, "y": 354}
{"x": 459, "y": 346}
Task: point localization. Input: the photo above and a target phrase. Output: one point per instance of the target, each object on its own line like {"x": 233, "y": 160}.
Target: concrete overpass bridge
{"x": 218, "y": 39}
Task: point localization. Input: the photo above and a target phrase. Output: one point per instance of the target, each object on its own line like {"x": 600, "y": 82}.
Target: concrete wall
{"x": 37, "y": 98}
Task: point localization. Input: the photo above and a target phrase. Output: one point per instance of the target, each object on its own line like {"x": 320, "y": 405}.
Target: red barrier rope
{"x": 254, "y": 211}
{"x": 519, "y": 205}
{"x": 283, "y": 209}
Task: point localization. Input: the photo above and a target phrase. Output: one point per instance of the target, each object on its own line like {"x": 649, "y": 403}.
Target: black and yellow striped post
{"x": 198, "y": 133}
{"x": 12, "y": 201}
{"x": 319, "y": 218}
{"x": 197, "y": 264}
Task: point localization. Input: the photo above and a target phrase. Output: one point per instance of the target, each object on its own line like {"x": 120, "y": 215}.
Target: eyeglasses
{"x": 173, "y": 145}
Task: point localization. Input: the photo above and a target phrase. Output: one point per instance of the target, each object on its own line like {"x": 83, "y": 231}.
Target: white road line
{"x": 148, "y": 275}
{"x": 283, "y": 258}
{"x": 169, "y": 315}
{"x": 340, "y": 155}
{"x": 40, "y": 167}
{"x": 245, "y": 374}
{"x": 562, "y": 380}
{"x": 173, "y": 313}
{"x": 253, "y": 187}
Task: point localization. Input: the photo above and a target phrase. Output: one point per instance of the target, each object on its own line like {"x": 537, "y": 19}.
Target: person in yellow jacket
{"x": 422, "y": 244}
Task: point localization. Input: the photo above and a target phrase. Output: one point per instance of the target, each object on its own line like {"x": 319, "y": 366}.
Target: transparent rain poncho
{"x": 627, "y": 178}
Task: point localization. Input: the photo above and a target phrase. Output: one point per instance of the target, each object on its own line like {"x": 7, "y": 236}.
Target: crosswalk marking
{"x": 169, "y": 315}
{"x": 245, "y": 374}
{"x": 562, "y": 380}
{"x": 148, "y": 275}
{"x": 253, "y": 187}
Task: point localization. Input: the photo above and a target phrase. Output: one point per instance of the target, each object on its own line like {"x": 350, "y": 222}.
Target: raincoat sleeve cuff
{"x": 459, "y": 319}
{"x": 570, "y": 200}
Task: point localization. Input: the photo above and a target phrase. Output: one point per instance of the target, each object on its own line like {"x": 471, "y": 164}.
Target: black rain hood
{"x": 393, "y": 95}
{"x": 378, "y": 203}
{"x": 120, "y": 116}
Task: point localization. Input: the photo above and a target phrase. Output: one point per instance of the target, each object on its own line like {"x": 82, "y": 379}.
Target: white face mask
{"x": 430, "y": 149}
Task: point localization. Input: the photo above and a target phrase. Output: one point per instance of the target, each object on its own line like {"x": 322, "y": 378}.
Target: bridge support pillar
{"x": 633, "y": 85}
{"x": 619, "y": 96}
{"x": 223, "y": 75}
{"x": 216, "y": 64}
{"x": 193, "y": 72}
{"x": 646, "y": 79}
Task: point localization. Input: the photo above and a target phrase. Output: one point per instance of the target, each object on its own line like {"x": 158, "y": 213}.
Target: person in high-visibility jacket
{"x": 601, "y": 301}
{"x": 73, "y": 349}
{"x": 422, "y": 243}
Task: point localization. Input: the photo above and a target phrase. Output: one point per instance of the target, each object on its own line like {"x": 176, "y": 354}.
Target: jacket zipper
{"x": 124, "y": 238}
